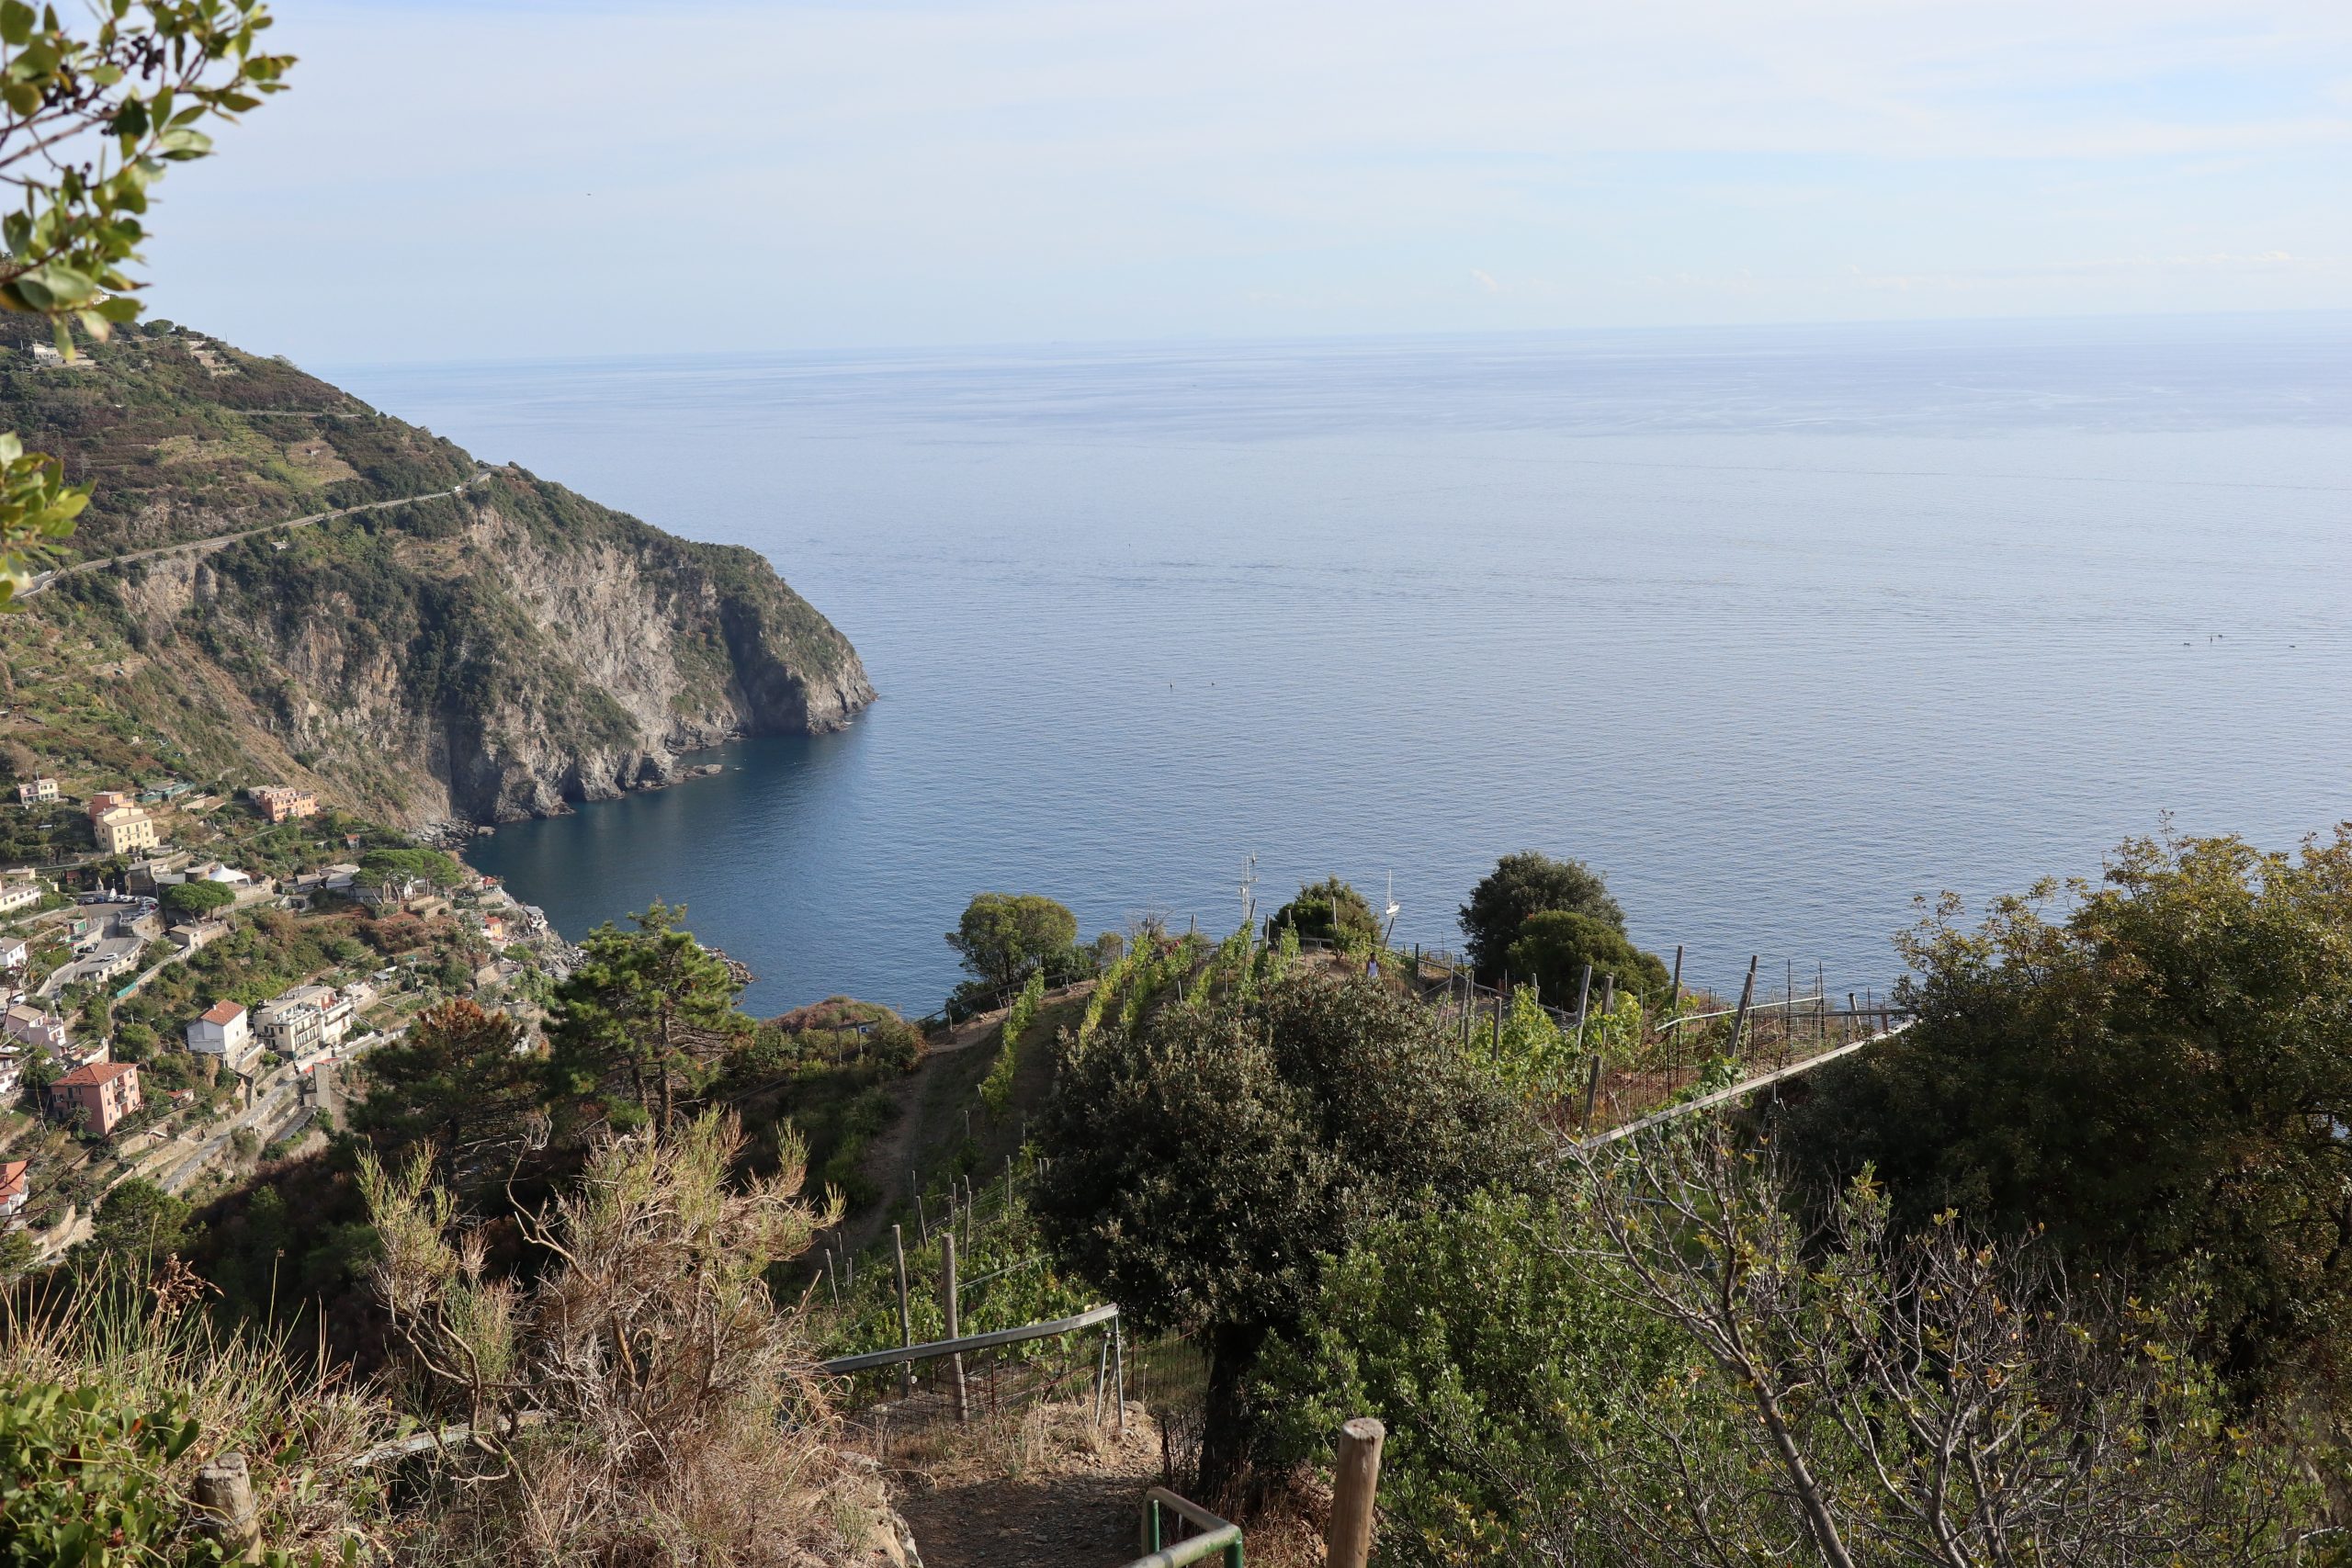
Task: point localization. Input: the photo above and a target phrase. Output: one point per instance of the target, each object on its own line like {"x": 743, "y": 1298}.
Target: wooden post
{"x": 1591, "y": 1090}
{"x": 1739, "y": 1019}
{"x": 906, "y": 1312}
{"x": 1008, "y": 1184}
{"x": 1118, "y": 1377}
{"x": 1355, "y": 1478}
{"x": 224, "y": 1493}
{"x": 831, "y": 1282}
{"x": 1583, "y": 995}
{"x": 922, "y": 1223}
{"x": 947, "y": 1307}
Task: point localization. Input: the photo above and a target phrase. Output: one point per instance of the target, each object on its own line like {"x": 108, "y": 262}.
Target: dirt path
{"x": 895, "y": 1151}
{"x": 1075, "y": 1503}
{"x": 222, "y": 541}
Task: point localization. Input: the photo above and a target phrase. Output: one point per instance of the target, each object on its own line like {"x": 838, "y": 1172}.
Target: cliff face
{"x": 482, "y": 657}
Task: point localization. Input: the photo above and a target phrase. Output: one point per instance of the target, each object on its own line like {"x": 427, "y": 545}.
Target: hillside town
{"x": 185, "y": 978}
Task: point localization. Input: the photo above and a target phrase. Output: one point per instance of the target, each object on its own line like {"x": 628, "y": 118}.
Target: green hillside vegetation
{"x": 177, "y": 447}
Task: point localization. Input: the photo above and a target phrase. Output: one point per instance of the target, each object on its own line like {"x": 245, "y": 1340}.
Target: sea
{"x": 1784, "y": 630}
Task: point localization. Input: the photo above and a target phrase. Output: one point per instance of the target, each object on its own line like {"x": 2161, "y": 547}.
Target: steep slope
{"x": 484, "y": 655}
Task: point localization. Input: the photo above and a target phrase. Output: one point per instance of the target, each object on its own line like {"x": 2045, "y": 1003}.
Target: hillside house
{"x": 14, "y": 952}
{"x": 107, "y": 800}
{"x": 36, "y": 792}
{"x": 12, "y": 1075}
{"x": 16, "y": 1187}
{"x": 124, "y": 831}
{"x": 29, "y": 1026}
{"x": 195, "y": 935}
{"x": 281, "y": 803}
{"x": 100, "y": 1093}
{"x": 292, "y": 1025}
{"x": 225, "y": 1030}
{"x": 316, "y": 1019}
{"x": 20, "y": 895}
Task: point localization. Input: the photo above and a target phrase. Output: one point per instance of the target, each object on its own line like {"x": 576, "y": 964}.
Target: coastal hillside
{"x": 278, "y": 583}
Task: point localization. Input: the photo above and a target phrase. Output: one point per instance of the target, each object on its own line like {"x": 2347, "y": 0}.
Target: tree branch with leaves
{"x": 93, "y": 116}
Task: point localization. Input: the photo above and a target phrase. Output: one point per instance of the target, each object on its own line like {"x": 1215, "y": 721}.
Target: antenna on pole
{"x": 1390, "y": 915}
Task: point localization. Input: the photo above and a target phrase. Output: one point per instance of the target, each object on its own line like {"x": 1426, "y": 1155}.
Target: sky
{"x": 500, "y": 179}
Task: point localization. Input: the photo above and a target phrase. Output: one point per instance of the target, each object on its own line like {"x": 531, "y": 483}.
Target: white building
{"x": 36, "y": 792}
{"x": 292, "y": 1025}
{"x": 35, "y": 1028}
{"x": 224, "y": 1031}
{"x": 333, "y": 1010}
{"x": 14, "y": 952}
{"x": 14, "y": 896}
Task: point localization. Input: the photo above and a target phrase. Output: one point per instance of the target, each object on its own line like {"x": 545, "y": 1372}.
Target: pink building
{"x": 103, "y": 1093}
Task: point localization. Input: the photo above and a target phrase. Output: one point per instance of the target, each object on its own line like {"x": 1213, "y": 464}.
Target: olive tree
{"x": 92, "y": 112}
{"x": 1203, "y": 1172}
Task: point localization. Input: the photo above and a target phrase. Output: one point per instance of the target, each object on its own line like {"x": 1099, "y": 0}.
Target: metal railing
{"x": 1162, "y": 1509}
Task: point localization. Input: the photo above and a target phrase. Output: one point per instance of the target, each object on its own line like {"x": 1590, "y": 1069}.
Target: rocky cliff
{"x": 482, "y": 656}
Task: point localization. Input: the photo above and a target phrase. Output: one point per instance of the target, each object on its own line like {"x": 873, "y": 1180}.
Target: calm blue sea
{"x": 1780, "y": 628}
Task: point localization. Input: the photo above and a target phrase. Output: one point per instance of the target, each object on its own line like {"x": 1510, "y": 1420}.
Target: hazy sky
{"x": 542, "y": 178}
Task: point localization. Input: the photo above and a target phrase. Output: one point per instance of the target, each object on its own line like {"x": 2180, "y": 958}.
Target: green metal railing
{"x": 1216, "y": 1538}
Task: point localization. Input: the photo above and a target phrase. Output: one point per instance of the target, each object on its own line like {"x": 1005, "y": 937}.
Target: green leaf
{"x": 15, "y": 23}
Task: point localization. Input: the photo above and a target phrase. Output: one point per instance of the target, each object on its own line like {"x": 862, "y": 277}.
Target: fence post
{"x": 832, "y": 1283}
{"x": 1739, "y": 1020}
{"x": 224, "y": 1492}
{"x": 906, "y": 1313}
{"x": 1354, "y": 1479}
{"x": 1591, "y": 1090}
{"x": 955, "y": 1330}
{"x": 1119, "y": 1377}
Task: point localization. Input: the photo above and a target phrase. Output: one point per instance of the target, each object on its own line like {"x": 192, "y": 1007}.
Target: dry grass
{"x": 151, "y": 1346}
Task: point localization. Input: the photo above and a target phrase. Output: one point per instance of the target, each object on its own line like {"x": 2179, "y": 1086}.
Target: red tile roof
{"x": 223, "y": 1012}
{"x": 12, "y": 1179}
{"x": 90, "y": 1072}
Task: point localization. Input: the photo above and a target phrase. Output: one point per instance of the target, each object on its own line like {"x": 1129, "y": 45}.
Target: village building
{"x": 107, "y": 800}
{"x": 330, "y": 1009}
{"x": 14, "y": 952}
{"x": 290, "y": 1026}
{"x": 21, "y": 895}
{"x": 195, "y": 935}
{"x": 12, "y": 1074}
{"x": 125, "y": 829}
{"x": 15, "y": 1188}
{"x": 30, "y": 1026}
{"x": 281, "y": 803}
{"x": 225, "y": 1030}
{"x": 101, "y": 1093}
{"x": 36, "y": 792}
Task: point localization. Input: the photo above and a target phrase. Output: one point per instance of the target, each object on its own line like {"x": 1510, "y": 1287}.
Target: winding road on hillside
{"x": 219, "y": 541}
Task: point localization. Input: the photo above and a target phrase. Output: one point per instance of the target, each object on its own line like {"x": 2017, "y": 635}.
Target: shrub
{"x": 1554, "y": 947}
{"x": 670, "y": 1400}
{"x": 1331, "y": 910}
{"x": 1003, "y": 936}
{"x": 1200, "y": 1174}
{"x": 1523, "y": 884}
